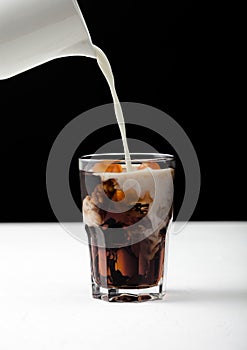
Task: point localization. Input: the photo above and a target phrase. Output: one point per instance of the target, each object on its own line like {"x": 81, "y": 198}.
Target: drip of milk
{"x": 105, "y": 67}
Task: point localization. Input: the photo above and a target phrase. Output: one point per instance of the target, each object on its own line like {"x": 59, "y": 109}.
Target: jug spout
{"x": 33, "y": 32}
{"x": 80, "y": 49}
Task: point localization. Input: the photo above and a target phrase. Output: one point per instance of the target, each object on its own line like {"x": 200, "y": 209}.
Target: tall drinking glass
{"x": 127, "y": 215}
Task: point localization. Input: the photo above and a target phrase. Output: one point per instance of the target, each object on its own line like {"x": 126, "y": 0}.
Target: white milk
{"x": 105, "y": 67}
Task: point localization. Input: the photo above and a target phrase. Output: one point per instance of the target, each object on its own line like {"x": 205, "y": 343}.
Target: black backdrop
{"x": 177, "y": 56}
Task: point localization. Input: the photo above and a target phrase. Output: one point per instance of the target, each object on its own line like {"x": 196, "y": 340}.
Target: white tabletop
{"x": 45, "y": 296}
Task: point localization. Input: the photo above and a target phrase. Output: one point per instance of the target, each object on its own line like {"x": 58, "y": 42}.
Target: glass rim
{"x": 135, "y": 157}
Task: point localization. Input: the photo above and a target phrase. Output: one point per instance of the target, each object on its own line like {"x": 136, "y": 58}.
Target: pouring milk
{"x": 33, "y": 32}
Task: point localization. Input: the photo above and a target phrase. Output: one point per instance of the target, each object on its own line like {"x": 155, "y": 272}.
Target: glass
{"x": 127, "y": 217}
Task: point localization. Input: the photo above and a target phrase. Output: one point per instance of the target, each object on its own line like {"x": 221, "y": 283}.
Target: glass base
{"x": 128, "y": 295}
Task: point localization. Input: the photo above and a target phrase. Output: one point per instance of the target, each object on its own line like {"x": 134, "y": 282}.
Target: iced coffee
{"x": 126, "y": 216}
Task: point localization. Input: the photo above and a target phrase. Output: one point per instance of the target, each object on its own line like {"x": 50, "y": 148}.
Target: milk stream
{"x": 105, "y": 67}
